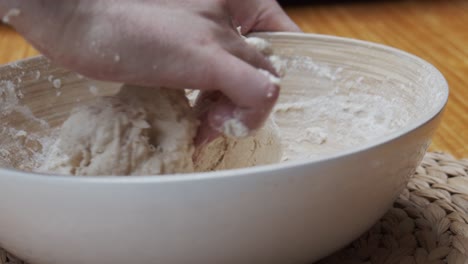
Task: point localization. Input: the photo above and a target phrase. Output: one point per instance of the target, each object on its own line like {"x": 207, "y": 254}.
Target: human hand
{"x": 178, "y": 43}
{"x": 250, "y": 16}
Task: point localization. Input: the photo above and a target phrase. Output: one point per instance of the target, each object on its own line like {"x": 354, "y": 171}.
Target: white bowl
{"x": 293, "y": 212}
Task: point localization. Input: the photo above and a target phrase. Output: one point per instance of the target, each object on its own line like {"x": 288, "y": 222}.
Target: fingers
{"x": 261, "y": 15}
{"x": 213, "y": 108}
{"x": 252, "y": 56}
{"x": 244, "y": 85}
{"x": 207, "y": 101}
{"x": 247, "y": 98}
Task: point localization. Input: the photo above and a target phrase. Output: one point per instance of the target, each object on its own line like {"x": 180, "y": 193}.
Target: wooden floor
{"x": 435, "y": 30}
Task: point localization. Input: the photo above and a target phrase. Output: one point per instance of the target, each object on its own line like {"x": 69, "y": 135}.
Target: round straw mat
{"x": 428, "y": 223}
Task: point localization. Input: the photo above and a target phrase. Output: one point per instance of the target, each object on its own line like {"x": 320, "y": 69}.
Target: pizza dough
{"x": 261, "y": 148}
{"x": 139, "y": 131}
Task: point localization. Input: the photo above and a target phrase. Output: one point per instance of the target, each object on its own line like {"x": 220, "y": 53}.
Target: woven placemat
{"x": 427, "y": 224}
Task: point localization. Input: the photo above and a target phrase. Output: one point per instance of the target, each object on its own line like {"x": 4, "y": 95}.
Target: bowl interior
{"x": 350, "y": 94}
{"x": 338, "y": 94}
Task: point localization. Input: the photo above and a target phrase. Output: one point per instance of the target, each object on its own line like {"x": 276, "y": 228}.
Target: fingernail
{"x": 279, "y": 65}
{"x": 260, "y": 44}
{"x": 273, "y": 79}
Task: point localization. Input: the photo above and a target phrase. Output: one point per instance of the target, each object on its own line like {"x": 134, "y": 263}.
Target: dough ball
{"x": 139, "y": 131}
{"x": 261, "y": 148}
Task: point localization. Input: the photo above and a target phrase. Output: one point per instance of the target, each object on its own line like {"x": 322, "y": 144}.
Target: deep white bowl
{"x": 293, "y": 212}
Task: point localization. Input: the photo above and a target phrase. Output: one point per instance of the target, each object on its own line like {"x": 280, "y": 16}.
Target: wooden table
{"x": 435, "y": 30}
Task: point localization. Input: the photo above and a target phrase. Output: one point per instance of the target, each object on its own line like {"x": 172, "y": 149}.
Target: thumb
{"x": 261, "y": 15}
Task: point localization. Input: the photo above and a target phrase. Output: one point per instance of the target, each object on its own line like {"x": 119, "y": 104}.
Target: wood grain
{"x": 435, "y": 30}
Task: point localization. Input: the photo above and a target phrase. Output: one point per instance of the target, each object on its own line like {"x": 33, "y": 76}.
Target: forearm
{"x": 176, "y": 43}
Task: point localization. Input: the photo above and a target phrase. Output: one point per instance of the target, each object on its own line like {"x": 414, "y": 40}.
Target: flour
{"x": 313, "y": 135}
{"x": 330, "y": 123}
{"x": 8, "y": 97}
{"x": 38, "y": 75}
{"x": 309, "y": 65}
{"x": 234, "y": 127}
{"x": 260, "y": 45}
{"x": 9, "y": 103}
{"x": 57, "y": 83}
{"x": 93, "y": 90}
{"x": 14, "y": 12}
{"x": 28, "y": 156}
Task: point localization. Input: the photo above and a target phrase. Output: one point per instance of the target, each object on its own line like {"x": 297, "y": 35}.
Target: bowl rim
{"x": 196, "y": 176}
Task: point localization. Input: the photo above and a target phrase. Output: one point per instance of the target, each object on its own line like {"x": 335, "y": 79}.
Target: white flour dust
{"x": 14, "y": 12}
{"x": 347, "y": 114}
{"x": 9, "y": 103}
{"x": 331, "y": 123}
